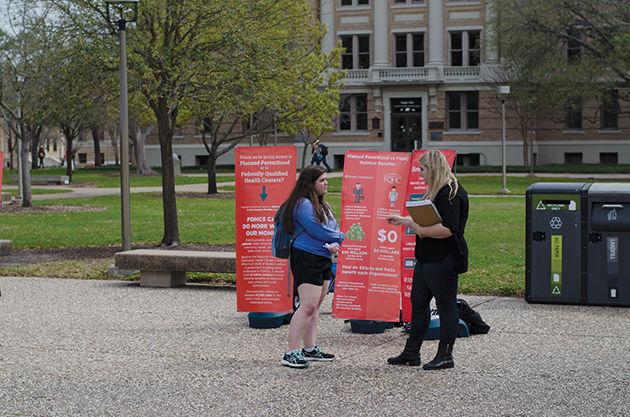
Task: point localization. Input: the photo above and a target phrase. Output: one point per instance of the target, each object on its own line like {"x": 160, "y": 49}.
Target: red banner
{"x": 367, "y": 285}
{"x": 415, "y": 190}
{"x": 264, "y": 177}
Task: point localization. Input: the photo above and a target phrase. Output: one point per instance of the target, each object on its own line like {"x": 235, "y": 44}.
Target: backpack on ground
{"x": 323, "y": 149}
{"x": 472, "y": 318}
{"x": 281, "y": 240}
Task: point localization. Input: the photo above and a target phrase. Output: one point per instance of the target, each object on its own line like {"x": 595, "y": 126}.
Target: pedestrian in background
{"x": 41, "y": 154}
{"x": 320, "y": 152}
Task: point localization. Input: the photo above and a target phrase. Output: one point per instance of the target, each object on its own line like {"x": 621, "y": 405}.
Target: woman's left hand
{"x": 333, "y": 248}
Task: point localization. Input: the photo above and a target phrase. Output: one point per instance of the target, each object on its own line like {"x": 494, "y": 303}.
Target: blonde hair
{"x": 439, "y": 174}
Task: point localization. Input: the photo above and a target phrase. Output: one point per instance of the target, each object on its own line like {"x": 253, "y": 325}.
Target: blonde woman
{"x": 441, "y": 254}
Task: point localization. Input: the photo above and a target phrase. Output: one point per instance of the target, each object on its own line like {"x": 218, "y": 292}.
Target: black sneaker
{"x": 317, "y": 355}
{"x": 294, "y": 359}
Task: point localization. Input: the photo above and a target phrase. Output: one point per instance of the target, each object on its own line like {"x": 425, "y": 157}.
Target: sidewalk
{"x": 96, "y": 348}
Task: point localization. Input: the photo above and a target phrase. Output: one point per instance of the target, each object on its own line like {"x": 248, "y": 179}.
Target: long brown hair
{"x": 439, "y": 174}
{"x": 305, "y": 188}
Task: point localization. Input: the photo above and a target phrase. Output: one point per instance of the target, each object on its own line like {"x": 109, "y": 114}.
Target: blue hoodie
{"x": 310, "y": 234}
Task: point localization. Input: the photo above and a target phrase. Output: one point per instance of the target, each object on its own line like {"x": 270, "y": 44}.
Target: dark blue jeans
{"x": 435, "y": 279}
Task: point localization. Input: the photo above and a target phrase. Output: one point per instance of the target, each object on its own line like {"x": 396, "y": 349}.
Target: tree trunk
{"x": 34, "y": 150}
{"x": 27, "y": 199}
{"x": 525, "y": 140}
{"x": 304, "y": 154}
{"x": 69, "y": 140}
{"x": 11, "y": 147}
{"x": 166, "y": 124}
{"x": 97, "y": 135}
{"x": 212, "y": 171}
{"x": 139, "y": 138}
{"x": 114, "y": 140}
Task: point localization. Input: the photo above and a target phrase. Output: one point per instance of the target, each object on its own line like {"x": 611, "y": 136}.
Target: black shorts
{"x": 308, "y": 268}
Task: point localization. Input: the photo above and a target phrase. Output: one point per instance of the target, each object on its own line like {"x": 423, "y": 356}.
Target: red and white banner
{"x": 367, "y": 285}
{"x": 264, "y": 177}
{"x": 415, "y": 190}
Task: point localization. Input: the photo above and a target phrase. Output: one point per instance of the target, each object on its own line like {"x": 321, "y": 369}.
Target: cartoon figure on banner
{"x": 358, "y": 193}
{"x": 393, "y": 196}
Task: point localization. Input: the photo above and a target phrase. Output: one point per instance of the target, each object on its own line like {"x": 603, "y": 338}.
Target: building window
{"x": 408, "y": 1}
{"x": 54, "y": 145}
{"x": 573, "y": 158}
{"x": 465, "y": 48}
{"x": 573, "y": 118}
{"x": 574, "y": 45}
{"x": 611, "y": 158}
{"x": 354, "y": 3}
{"x": 462, "y": 110}
{"x": 353, "y": 112}
{"x": 409, "y": 49}
{"x": 610, "y": 111}
{"x": 356, "y": 54}
{"x": 469, "y": 159}
{"x": 102, "y": 155}
{"x": 83, "y": 158}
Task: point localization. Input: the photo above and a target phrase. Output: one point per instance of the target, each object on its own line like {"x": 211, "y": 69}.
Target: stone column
{"x": 327, "y": 18}
{"x": 381, "y": 33}
{"x": 436, "y": 33}
{"x": 491, "y": 36}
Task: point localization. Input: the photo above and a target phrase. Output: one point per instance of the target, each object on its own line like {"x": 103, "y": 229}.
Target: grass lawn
{"x": 34, "y": 191}
{"x": 110, "y": 178}
{"x": 495, "y": 234}
{"x": 201, "y": 221}
{"x": 486, "y": 185}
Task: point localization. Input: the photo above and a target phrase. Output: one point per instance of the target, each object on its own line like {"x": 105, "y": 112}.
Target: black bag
{"x": 475, "y": 323}
{"x": 323, "y": 149}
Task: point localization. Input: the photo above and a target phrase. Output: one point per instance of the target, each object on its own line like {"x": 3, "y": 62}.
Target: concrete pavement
{"x": 110, "y": 348}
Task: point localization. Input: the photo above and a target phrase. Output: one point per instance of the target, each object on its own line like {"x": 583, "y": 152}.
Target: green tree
{"x": 532, "y": 39}
{"x": 201, "y": 57}
{"x": 24, "y": 58}
{"x": 74, "y": 72}
{"x": 275, "y": 80}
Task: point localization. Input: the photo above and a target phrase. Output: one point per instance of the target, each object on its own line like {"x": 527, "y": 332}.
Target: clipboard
{"x": 423, "y": 212}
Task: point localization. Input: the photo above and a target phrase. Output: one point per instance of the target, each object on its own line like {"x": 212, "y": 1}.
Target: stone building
{"x": 417, "y": 76}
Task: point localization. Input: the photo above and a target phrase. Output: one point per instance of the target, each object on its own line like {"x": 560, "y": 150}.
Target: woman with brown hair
{"x": 316, "y": 237}
{"x": 441, "y": 254}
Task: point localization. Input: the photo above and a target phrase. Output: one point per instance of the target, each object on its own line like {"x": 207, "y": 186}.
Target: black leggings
{"x": 435, "y": 279}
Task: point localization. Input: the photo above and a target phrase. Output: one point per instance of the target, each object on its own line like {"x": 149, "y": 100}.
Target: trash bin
{"x": 608, "y": 244}
{"x": 555, "y": 228}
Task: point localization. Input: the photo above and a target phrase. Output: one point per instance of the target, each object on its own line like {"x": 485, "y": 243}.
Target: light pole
{"x": 122, "y": 7}
{"x": 19, "y": 80}
{"x": 503, "y": 91}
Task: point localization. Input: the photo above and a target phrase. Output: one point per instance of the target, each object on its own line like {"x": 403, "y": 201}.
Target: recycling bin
{"x": 556, "y": 215}
{"x": 608, "y": 244}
